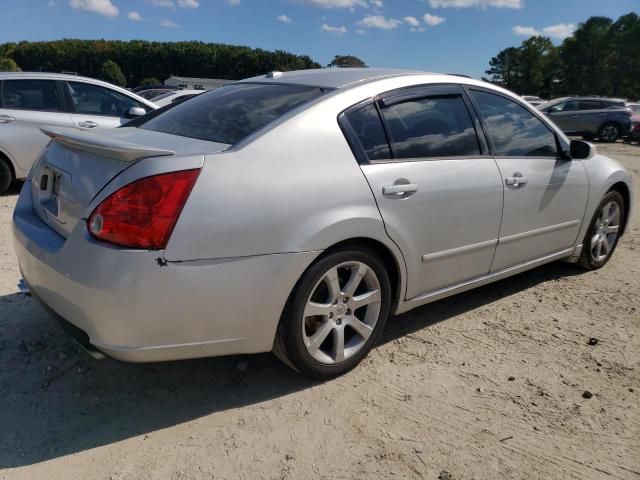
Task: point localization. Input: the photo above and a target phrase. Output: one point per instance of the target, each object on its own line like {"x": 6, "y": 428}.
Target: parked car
{"x": 634, "y": 132}
{"x": 634, "y": 107}
{"x": 155, "y": 92}
{"x": 533, "y": 100}
{"x": 143, "y": 88}
{"x": 592, "y": 117}
{"x": 296, "y": 211}
{"x": 29, "y": 100}
{"x": 174, "y": 96}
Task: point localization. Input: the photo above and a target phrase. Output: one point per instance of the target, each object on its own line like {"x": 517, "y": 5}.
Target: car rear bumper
{"x": 134, "y": 306}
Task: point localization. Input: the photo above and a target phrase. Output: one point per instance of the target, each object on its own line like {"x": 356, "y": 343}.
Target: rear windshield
{"x": 231, "y": 113}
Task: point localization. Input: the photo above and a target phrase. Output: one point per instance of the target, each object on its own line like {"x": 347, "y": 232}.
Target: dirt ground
{"x": 487, "y": 384}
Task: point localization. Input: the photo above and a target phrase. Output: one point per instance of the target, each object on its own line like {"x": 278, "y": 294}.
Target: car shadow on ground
{"x": 56, "y": 400}
{"x": 14, "y": 189}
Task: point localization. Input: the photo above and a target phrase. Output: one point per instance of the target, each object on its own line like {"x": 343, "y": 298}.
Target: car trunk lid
{"x": 77, "y": 165}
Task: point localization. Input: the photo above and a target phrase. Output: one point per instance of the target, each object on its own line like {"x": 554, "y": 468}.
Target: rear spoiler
{"x": 97, "y": 143}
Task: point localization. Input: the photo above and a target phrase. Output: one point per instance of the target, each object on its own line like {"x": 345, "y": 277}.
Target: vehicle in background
{"x": 156, "y": 86}
{"x": 634, "y": 132}
{"x": 533, "y": 100}
{"x": 296, "y": 211}
{"x": 173, "y": 96}
{"x": 592, "y": 117}
{"x": 155, "y": 92}
{"x": 634, "y": 107}
{"x": 30, "y": 100}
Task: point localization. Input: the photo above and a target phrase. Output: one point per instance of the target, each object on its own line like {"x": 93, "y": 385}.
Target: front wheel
{"x": 609, "y": 132}
{"x": 604, "y": 232}
{"x": 335, "y": 314}
{"x": 5, "y": 176}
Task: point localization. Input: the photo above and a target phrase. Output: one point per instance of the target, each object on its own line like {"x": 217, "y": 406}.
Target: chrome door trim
{"x": 429, "y": 297}
{"x": 457, "y": 251}
{"x": 539, "y": 231}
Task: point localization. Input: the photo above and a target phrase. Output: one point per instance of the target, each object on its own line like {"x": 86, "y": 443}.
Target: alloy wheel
{"x": 341, "y": 312}
{"x": 609, "y": 133}
{"x": 607, "y": 227}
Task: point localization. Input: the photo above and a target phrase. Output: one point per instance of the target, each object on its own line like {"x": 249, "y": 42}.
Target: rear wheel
{"x": 609, "y": 132}
{"x": 335, "y": 313}
{"x": 5, "y": 176}
{"x": 604, "y": 232}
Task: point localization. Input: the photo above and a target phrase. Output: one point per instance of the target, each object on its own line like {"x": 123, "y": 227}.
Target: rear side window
{"x": 513, "y": 130}
{"x": 592, "y": 105}
{"x": 231, "y": 113}
{"x": 431, "y": 127}
{"x": 41, "y": 95}
{"x": 91, "y": 99}
{"x": 366, "y": 124}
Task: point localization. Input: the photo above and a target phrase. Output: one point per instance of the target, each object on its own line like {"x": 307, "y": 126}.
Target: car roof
{"x": 332, "y": 77}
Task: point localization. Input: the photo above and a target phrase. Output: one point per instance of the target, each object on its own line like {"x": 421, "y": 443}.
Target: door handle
{"x": 399, "y": 189}
{"x": 516, "y": 180}
{"x": 6, "y": 119}
{"x": 88, "y": 124}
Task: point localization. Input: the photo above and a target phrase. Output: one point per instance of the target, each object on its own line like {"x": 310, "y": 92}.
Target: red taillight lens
{"x": 143, "y": 213}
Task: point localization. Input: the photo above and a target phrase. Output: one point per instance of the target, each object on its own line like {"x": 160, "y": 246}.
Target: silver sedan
{"x": 295, "y": 212}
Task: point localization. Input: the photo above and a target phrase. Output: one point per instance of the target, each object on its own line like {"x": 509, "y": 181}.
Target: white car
{"x": 173, "y": 96}
{"x": 30, "y": 100}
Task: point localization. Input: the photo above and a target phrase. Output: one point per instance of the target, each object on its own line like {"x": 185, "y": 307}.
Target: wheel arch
{"x": 623, "y": 189}
{"x": 6, "y": 159}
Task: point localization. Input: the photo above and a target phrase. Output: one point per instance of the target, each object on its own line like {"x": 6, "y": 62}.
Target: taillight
{"x": 143, "y": 213}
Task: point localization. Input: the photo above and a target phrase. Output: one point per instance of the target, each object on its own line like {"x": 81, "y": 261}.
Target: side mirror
{"x": 136, "y": 112}
{"x": 580, "y": 150}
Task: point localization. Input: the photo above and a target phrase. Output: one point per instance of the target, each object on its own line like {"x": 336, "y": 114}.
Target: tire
{"x": 609, "y": 132}
{"x": 5, "y": 176}
{"x": 350, "y": 311}
{"x": 596, "y": 252}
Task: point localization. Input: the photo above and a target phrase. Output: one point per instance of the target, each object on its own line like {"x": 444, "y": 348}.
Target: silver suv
{"x": 29, "y": 100}
{"x": 604, "y": 118}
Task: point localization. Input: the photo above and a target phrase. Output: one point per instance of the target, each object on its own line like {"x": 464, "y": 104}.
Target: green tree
{"x": 8, "y": 65}
{"x": 110, "y": 72}
{"x": 347, "y": 61}
{"x": 150, "y": 81}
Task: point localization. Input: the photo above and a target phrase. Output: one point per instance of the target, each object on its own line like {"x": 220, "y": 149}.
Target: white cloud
{"x": 161, "y": 3}
{"x": 134, "y": 16}
{"x": 559, "y": 32}
{"x": 102, "y": 7}
{"x": 517, "y": 4}
{"x": 331, "y": 29}
{"x": 433, "y": 20}
{"x": 284, "y": 19}
{"x": 233, "y": 3}
{"x": 168, "y": 23}
{"x": 379, "y": 21}
{"x": 188, "y": 3}
{"x": 376, "y": 3}
{"x": 359, "y": 31}
{"x": 525, "y": 31}
{"x": 412, "y": 21}
{"x": 336, "y": 3}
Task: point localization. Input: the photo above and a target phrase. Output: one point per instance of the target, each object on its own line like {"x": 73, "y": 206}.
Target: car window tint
{"x": 366, "y": 123}
{"x": 431, "y": 127}
{"x": 31, "y": 95}
{"x": 514, "y": 130}
{"x": 591, "y": 105}
{"x": 231, "y": 113}
{"x": 570, "y": 106}
{"x": 95, "y": 100}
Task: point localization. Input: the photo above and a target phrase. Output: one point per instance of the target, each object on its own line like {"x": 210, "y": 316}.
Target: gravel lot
{"x": 487, "y": 384}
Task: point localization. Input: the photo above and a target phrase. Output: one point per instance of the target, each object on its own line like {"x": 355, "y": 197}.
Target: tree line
{"x": 132, "y": 63}
{"x": 601, "y": 58}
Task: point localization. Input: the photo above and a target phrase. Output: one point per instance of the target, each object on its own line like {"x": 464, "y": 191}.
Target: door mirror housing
{"x": 136, "y": 112}
{"x": 580, "y": 150}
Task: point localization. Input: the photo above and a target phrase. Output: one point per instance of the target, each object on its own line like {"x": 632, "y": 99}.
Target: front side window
{"x": 366, "y": 124}
{"x": 231, "y": 113}
{"x": 438, "y": 126}
{"x": 39, "y": 95}
{"x": 91, "y": 99}
{"x": 513, "y": 130}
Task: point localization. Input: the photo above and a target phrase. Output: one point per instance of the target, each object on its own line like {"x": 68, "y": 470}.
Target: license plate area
{"x": 51, "y": 185}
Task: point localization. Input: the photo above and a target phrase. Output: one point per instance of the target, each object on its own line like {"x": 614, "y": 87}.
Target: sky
{"x": 449, "y": 36}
